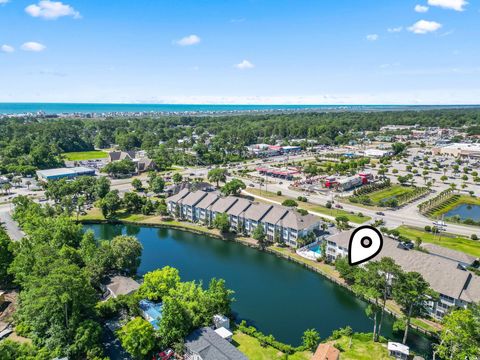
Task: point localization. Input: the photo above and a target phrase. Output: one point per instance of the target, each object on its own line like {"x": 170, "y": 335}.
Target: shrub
{"x": 428, "y": 228}
{"x": 279, "y": 193}
{"x": 290, "y": 203}
{"x": 337, "y": 334}
{"x": 474, "y": 237}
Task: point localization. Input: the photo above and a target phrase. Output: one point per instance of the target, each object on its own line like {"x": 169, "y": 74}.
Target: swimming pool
{"x": 316, "y": 249}
{"x": 152, "y": 312}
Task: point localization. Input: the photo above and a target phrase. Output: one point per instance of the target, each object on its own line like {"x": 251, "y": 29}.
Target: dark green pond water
{"x": 275, "y": 295}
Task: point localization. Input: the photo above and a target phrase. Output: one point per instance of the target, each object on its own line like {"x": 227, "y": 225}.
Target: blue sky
{"x": 241, "y": 51}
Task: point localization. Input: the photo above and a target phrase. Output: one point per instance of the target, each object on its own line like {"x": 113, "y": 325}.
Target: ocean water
{"x": 85, "y": 108}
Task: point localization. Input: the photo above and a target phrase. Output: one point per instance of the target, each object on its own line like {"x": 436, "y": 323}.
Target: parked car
{"x": 251, "y": 185}
{"x": 338, "y": 206}
{"x": 164, "y": 355}
{"x": 380, "y": 213}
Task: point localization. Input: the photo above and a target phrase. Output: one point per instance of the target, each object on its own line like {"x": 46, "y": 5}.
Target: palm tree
{"x": 6, "y": 187}
{"x": 28, "y": 183}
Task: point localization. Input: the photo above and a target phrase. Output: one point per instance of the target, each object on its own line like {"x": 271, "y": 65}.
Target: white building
{"x": 459, "y": 150}
{"x": 445, "y": 274}
{"x": 279, "y": 222}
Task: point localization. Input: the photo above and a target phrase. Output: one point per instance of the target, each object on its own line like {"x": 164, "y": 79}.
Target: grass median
{"x": 447, "y": 240}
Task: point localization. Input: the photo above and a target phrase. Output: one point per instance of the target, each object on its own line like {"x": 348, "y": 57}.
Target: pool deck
{"x": 307, "y": 253}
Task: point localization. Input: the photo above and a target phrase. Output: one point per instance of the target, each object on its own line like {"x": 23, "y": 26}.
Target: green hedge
{"x": 268, "y": 340}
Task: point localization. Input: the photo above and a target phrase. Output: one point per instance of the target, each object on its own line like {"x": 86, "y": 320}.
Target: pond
{"x": 465, "y": 211}
{"x": 277, "y": 296}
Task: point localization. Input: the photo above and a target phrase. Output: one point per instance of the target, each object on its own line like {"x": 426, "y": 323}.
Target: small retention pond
{"x": 273, "y": 294}
{"x": 465, "y": 211}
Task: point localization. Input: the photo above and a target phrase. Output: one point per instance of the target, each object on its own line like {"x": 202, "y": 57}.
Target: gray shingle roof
{"x": 275, "y": 214}
{"x": 210, "y": 346}
{"x": 177, "y": 197}
{"x": 442, "y": 274}
{"x": 121, "y": 285}
{"x": 257, "y": 211}
{"x": 222, "y": 205}
{"x": 294, "y": 220}
{"x": 193, "y": 198}
{"x": 208, "y": 200}
{"x": 472, "y": 291}
{"x": 449, "y": 253}
{"x": 240, "y": 206}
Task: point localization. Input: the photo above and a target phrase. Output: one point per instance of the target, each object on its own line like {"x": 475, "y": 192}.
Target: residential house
{"x": 326, "y": 352}
{"x": 120, "y": 285}
{"x": 206, "y": 344}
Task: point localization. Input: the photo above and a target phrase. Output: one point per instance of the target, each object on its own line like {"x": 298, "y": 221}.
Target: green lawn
{"x": 356, "y": 347}
{"x": 394, "y": 190}
{"x": 253, "y": 350}
{"x": 85, "y": 155}
{"x": 311, "y": 207}
{"x": 447, "y": 240}
{"x": 361, "y": 347}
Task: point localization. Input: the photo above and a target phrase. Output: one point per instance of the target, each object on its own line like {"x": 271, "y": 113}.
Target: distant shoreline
{"x": 124, "y": 109}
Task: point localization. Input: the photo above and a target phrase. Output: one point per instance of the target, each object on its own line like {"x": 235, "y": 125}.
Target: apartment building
{"x": 279, "y": 222}
{"x": 445, "y": 270}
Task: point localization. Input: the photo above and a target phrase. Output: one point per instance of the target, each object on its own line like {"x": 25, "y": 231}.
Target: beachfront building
{"x": 279, "y": 223}
{"x": 445, "y": 270}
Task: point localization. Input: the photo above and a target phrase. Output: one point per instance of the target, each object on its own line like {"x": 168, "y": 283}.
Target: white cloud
{"x": 245, "y": 64}
{"x": 372, "y": 37}
{"x": 188, "y": 40}
{"x": 7, "y": 48}
{"x": 457, "y": 5}
{"x": 33, "y": 46}
{"x": 421, "y": 8}
{"x": 51, "y": 10}
{"x": 424, "y": 27}
{"x": 395, "y": 29}
{"x": 3, "y": 2}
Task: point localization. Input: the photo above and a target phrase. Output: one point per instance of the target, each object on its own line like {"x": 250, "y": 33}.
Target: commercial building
{"x": 464, "y": 150}
{"x": 64, "y": 173}
{"x": 287, "y": 174}
{"x": 377, "y": 153}
{"x": 142, "y": 162}
{"x": 444, "y": 272}
{"x": 279, "y": 223}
